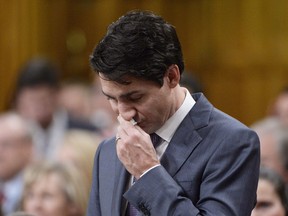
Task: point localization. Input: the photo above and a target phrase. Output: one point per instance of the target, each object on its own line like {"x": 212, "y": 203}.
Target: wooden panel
{"x": 238, "y": 49}
{"x": 29, "y": 28}
{"x": 10, "y": 54}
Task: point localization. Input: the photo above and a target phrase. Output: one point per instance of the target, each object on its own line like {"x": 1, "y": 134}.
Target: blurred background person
{"x": 86, "y": 102}
{"x": 36, "y": 99}
{"x": 273, "y": 145}
{"x": 271, "y": 194}
{"x": 78, "y": 149}
{"x": 20, "y": 213}
{"x": 75, "y": 98}
{"x": 16, "y": 152}
{"x": 54, "y": 189}
{"x": 279, "y": 108}
{"x": 102, "y": 114}
{"x": 189, "y": 81}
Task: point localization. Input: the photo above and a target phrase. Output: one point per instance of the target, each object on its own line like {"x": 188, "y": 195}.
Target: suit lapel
{"x": 186, "y": 137}
{"x": 179, "y": 149}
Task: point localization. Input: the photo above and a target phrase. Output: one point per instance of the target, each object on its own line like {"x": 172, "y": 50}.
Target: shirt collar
{"x": 167, "y": 131}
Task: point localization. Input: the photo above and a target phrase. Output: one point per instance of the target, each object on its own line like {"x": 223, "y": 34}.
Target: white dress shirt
{"x": 167, "y": 131}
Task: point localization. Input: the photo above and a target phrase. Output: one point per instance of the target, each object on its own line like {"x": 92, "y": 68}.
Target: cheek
{"x": 114, "y": 107}
{"x": 153, "y": 115}
{"x": 27, "y": 206}
{"x": 55, "y": 206}
{"x": 157, "y": 105}
{"x": 279, "y": 209}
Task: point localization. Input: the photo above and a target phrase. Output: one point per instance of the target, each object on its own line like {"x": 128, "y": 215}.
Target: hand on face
{"x": 134, "y": 148}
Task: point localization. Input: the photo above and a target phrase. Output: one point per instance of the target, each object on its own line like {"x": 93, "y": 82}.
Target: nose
{"x": 126, "y": 111}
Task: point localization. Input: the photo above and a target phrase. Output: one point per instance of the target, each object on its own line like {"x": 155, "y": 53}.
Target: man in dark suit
{"x": 206, "y": 162}
{"x": 36, "y": 99}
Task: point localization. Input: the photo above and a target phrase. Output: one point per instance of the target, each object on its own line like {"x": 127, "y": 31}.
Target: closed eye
{"x": 135, "y": 98}
{"x": 263, "y": 204}
{"x": 109, "y": 98}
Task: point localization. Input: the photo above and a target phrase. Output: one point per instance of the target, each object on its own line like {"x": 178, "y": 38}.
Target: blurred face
{"x": 268, "y": 202}
{"x": 269, "y": 155}
{"x": 37, "y": 103}
{"x": 146, "y": 102}
{"x": 75, "y": 99}
{"x": 15, "y": 151}
{"x": 46, "y": 198}
{"x": 66, "y": 154}
{"x": 100, "y": 104}
{"x": 281, "y": 108}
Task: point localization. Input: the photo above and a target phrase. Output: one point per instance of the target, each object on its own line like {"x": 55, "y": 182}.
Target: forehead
{"x": 265, "y": 188}
{"x": 135, "y": 85}
{"x": 47, "y": 178}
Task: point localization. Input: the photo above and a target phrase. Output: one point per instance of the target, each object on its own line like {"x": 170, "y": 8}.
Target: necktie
{"x": 155, "y": 139}
{"x": 131, "y": 210}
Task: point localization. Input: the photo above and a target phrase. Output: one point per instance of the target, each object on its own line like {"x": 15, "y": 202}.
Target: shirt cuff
{"x": 150, "y": 169}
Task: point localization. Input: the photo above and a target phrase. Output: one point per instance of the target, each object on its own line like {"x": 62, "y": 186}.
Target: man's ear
{"x": 173, "y": 76}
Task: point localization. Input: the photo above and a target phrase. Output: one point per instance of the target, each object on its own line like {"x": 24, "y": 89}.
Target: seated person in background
{"x": 16, "y": 152}
{"x": 279, "y": 107}
{"x": 20, "y": 213}
{"x": 75, "y": 97}
{"x": 273, "y": 145}
{"x": 189, "y": 81}
{"x": 78, "y": 149}
{"x": 87, "y": 103}
{"x": 54, "y": 189}
{"x": 271, "y": 194}
{"x": 102, "y": 114}
{"x": 36, "y": 99}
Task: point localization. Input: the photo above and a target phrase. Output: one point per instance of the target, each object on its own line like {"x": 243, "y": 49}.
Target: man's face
{"x": 146, "y": 102}
{"x": 37, "y": 103}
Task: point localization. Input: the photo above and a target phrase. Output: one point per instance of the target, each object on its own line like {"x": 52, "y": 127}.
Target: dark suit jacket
{"x": 210, "y": 167}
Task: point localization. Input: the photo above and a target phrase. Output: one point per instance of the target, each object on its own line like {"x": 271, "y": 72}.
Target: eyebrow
{"x": 126, "y": 95}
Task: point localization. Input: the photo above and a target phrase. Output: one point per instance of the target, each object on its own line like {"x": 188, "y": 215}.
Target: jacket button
{"x": 144, "y": 210}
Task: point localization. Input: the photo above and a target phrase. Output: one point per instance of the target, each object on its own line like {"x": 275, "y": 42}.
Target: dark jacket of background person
{"x": 36, "y": 99}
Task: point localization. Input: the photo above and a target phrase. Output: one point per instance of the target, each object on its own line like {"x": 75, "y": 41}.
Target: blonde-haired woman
{"x": 54, "y": 189}
{"x": 78, "y": 148}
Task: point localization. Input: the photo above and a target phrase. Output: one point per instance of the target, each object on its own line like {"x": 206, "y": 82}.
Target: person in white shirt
{"x": 16, "y": 153}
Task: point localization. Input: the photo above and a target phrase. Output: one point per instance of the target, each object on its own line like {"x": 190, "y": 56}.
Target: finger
{"x": 128, "y": 126}
{"x": 140, "y": 130}
{"x": 121, "y": 133}
{"x": 126, "y": 123}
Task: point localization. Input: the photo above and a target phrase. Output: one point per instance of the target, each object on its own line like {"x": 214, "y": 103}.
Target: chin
{"x": 143, "y": 127}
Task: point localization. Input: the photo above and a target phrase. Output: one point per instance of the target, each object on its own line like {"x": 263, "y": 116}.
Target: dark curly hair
{"x": 139, "y": 44}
